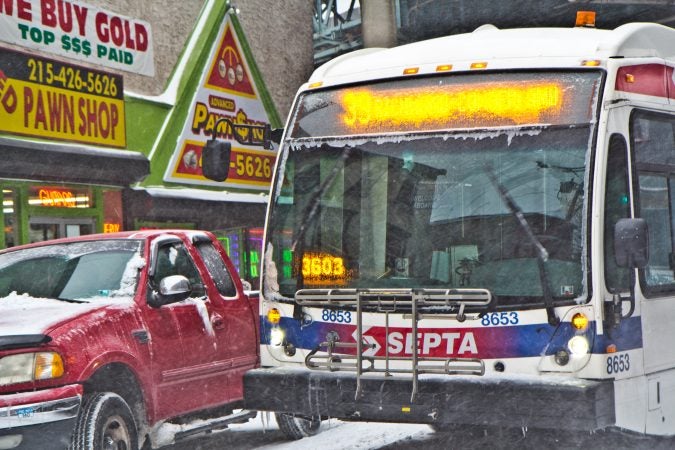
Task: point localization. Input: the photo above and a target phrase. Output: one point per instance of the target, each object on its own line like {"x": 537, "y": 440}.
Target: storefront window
{"x": 45, "y": 228}
{"x": 9, "y": 212}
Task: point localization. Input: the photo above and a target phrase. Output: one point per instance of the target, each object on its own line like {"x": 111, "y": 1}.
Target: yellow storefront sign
{"x": 58, "y": 101}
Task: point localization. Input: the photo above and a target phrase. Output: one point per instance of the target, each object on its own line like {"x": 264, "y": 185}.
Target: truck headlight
{"x": 26, "y": 367}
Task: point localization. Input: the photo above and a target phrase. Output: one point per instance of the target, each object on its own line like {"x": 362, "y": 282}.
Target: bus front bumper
{"x": 537, "y": 402}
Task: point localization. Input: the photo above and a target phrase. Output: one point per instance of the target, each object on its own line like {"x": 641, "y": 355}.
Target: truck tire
{"x": 105, "y": 422}
{"x": 295, "y": 427}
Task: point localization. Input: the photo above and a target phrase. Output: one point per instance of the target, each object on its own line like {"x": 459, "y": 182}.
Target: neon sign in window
{"x": 59, "y": 197}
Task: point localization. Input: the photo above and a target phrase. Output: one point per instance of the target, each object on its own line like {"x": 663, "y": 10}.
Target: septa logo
{"x": 228, "y": 69}
{"x": 429, "y": 342}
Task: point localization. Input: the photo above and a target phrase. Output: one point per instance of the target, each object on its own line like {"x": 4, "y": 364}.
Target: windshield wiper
{"x": 71, "y": 300}
{"x": 314, "y": 202}
{"x": 542, "y": 254}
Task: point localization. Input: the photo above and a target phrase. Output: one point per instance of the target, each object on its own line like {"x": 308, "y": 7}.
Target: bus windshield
{"x": 467, "y": 192}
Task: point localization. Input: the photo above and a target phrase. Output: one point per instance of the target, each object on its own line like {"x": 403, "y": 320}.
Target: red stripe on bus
{"x": 648, "y": 79}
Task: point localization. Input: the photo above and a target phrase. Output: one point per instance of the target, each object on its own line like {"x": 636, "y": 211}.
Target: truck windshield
{"x": 83, "y": 271}
{"x": 362, "y": 206}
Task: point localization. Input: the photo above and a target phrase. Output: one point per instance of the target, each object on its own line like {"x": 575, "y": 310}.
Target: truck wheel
{"x": 105, "y": 422}
{"x": 295, "y": 427}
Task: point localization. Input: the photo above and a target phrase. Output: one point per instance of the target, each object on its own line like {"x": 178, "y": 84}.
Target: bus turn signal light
{"x": 273, "y": 316}
{"x": 579, "y": 321}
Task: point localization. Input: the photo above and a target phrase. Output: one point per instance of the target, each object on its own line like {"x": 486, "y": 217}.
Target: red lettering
{"x": 28, "y": 104}
{"x": 9, "y": 100}
{"x": 40, "y": 116}
{"x": 65, "y": 16}
{"x": 54, "y": 110}
{"x": 114, "y": 119}
{"x": 88, "y": 125}
{"x": 104, "y": 119}
{"x": 127, "y": 31}
{"x": 48, "y": 9}
{"x": 82, "y": 129}
{"x": 101, "y": 23}
{"x": 68, "y": 109}
{"x": 141, "y": 37}
{"x": 117, "y": 31}
{"x": 7, "y": 7}
{"x": 24, "y": 10}
{"x": 60, "y": 112}
{"x": 81, "y": 16}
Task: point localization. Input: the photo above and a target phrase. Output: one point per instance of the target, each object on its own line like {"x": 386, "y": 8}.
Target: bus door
{"x": 652, "y": 141}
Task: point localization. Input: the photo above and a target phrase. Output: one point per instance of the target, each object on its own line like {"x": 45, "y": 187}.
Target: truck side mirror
{"x": 172, "y": 289}
{"x": 631, "y": 243}
{"x": 216, "y": 159}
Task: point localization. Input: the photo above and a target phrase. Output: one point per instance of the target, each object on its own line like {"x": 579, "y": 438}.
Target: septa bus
{"x": 477, "y": 229}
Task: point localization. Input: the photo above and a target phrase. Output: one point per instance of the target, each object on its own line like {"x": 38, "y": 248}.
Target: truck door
{"x": 235, "y": 323}
{"x": 192, "y": 337}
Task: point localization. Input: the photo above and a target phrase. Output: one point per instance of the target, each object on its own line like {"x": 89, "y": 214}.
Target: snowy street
{"x": 339, "y": 435}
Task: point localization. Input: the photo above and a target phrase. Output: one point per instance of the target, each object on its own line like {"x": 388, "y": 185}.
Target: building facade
{"x": 99, "y": 98}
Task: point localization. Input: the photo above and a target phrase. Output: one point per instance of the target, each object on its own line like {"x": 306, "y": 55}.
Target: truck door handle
{"x": 217, "y": 321}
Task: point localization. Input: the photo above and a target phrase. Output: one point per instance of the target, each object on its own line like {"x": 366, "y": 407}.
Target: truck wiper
{"x": 71, "y": 300}
{"x": 542, "y": 254}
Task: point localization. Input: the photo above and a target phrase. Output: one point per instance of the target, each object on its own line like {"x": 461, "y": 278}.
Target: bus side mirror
{"x": 216, "y": 159}
{"x": 631, "y": 243}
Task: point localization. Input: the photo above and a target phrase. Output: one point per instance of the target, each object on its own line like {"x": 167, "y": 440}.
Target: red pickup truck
{"x": 123, "y": 340}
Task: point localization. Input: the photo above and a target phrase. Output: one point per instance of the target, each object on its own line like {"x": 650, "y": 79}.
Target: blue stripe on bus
{"x": 490, "y": 341}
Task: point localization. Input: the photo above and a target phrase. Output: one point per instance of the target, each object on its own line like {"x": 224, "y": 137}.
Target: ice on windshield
{"x": 426, "y": 211}
{"x": 76, "y": 272}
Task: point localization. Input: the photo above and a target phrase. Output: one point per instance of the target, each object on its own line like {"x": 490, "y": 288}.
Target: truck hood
{"x": 25, "y": 315}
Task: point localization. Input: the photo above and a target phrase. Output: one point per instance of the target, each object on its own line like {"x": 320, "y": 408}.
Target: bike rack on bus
{"x": 413, "y": 304}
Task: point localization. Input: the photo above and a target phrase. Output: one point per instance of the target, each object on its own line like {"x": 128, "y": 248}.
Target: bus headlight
{"x": 578, "y": 345}
{"x": 569, "y": 348}
{"x": 277, "y": 337}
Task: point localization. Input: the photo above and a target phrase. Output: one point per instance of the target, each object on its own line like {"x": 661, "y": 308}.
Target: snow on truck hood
{"x": 23, "y": 314}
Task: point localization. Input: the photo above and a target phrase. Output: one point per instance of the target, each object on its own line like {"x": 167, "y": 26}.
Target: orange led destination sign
{"x": 489, "y": 104}
{"x": 450, "y": 102}
{"x": 322, "y": 268}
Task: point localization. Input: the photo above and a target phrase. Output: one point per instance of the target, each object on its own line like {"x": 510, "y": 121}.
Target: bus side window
{"x": 653, "y": 141}
{"x": 617, "y": 206}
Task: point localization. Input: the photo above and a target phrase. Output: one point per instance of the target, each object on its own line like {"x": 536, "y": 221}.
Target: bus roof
{"x": 508, "y": 48}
